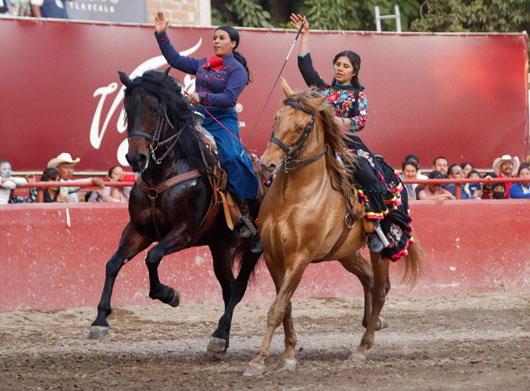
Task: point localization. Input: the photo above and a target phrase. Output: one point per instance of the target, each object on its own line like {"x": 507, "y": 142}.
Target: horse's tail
{"x": 244, "y": 258}
{"x": 412, "y": 264}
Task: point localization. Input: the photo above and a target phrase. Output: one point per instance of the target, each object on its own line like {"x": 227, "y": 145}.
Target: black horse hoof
{"x": 175, "y": 301}
{"x": 98, "y": 332}
{"x": 216, "y": 346}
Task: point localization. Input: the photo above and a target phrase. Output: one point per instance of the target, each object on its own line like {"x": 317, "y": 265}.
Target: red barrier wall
{"x": 46, "y": 263}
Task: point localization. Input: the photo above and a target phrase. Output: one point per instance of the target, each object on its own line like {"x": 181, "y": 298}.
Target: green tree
{"x": 245, "y": 13}
{"x": 473, "y": 16}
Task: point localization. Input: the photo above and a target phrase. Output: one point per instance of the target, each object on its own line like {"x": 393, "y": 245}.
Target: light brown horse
{"x": 304, "y": 217}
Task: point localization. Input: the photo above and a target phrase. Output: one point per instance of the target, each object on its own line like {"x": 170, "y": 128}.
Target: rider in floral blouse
{"x": 381, "y": 191}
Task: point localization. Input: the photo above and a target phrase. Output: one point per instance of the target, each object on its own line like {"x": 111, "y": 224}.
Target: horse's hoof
{"x": 384, "y": 323}
{"x": 357, "y": 357}
{"x": 254, "y": 370}
{"x": 98, "y": 332}
{"x": 287, "y": 365}
{"x": 175, "y": 301}
{"x": 216, "y": 346}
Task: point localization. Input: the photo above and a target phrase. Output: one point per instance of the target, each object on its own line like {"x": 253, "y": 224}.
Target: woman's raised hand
{"x": 160, "y": 23}
{"x": 296, "y": 21}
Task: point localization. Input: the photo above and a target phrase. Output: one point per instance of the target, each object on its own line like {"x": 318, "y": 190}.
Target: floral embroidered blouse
{"x": 347, "y": 101}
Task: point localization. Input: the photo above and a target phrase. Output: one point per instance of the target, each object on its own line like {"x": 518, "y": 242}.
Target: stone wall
{"x": 181, "y": 12}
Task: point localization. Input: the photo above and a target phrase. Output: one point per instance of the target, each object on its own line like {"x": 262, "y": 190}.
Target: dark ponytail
{"x": 234, "y": 37}
{"x": 355, "y": 60}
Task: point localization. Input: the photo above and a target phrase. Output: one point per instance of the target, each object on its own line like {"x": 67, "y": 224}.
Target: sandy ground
{"x": 471, "y": 342}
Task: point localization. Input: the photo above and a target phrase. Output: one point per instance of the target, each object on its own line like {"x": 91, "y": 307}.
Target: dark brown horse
{"x": 173, "y": 202}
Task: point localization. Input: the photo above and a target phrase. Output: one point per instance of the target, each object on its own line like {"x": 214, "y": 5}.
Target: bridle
{"x": 290, "y": 163}
{"x": 162, "y": 124}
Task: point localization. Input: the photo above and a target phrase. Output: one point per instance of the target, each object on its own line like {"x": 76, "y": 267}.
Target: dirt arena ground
{"x": 467, "y": 342}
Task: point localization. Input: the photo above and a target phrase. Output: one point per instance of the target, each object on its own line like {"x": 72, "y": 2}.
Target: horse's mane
{"x": 179, "y": 112}
{"x": 333, "y": 138}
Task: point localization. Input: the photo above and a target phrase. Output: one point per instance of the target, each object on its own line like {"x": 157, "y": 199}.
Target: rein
{"x": 290, "y": 163}
{"x": 162, "y": 123}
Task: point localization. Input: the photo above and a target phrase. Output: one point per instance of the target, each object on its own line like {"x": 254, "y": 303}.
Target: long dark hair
{"x": 355, "y": 60}
{"x": 47, "y": 174}
{"x": 234, "y": 37}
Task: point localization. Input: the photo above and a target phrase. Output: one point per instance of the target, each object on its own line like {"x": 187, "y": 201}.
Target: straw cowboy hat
{"x": 497, "y": 163}
{"x": 62, "y": 158}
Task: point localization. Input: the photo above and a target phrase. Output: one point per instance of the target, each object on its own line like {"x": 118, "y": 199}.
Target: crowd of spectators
{"x": 505, "y": 166}
{"x": 61, "y": 169}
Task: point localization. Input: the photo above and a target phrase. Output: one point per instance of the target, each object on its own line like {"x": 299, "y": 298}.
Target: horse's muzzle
{"x": 268, "y": 169}
{"x": 138, "y": 161}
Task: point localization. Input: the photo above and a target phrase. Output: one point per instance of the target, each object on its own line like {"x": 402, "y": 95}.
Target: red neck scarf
{"x": 215, "y": 63}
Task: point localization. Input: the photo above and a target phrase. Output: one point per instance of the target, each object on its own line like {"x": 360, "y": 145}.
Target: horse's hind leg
{"x": 220, "y": 339}
{"x": 131, "y": 243}
{"x": 380, "y": 289}
{"x": 362, "y": 268}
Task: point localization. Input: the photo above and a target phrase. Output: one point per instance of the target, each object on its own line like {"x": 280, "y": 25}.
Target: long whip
{"x": 276, "y": 81}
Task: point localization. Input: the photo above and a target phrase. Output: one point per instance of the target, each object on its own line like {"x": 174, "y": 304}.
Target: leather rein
{"x": 291, "y": 164}
{"x": 161, "y": 126}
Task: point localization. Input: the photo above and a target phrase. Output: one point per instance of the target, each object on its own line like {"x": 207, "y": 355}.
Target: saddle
{"x": 217, "y": 177}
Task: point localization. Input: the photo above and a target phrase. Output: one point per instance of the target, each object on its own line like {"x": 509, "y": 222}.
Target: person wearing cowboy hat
{"x": 65, "y": 165}
{"x": 505, "y": 167}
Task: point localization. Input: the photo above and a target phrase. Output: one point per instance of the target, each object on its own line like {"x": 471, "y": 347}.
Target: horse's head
{"x": 148, "y": 100}
{"x": 291, "y": 137}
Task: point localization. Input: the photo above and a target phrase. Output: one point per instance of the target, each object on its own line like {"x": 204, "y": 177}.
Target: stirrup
{"x": 382, "y": 236}
{"x": 247, "y": 228}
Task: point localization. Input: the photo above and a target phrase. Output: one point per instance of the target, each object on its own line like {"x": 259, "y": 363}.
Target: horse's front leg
{"x": 220, "y": 339}
{"x": 131, "y": 243}
{"x": 280, "y": 311}
{"x": 174, "y": 241}
{"x": 380, "y": 289}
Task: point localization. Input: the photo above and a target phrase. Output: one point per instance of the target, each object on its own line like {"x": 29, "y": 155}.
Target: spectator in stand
{"x": 416, "y": 158}
{"x": 472, "y": 191}
{"x": 65, "y": 165}
{"x": 467, "y": 167}
{"x": 114, "y": 193}
{"x": 440, "y": 164}
{"x": 53, "y": 194}
{"x": 455, "y": 172}
{"x": 487, "y": 191}
{"x": 435, "y": 191}
{"x": 49, "y": 9}
{"x": 522, "y": 189}
{"x": 505, "y": 167}
{"x": 409, "y": 170}
{"x": 8, "y": 183}
{"x": 498, "y": 191}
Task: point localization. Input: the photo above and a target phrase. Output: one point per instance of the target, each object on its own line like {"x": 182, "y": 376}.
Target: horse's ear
{"x": 124, "y": 78}
{"x": 318, "y": 104}
{"x": 286, "y": 89}
{"x": 165, "y": 75}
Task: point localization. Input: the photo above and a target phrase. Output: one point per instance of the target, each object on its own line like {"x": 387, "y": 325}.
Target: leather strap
{"x": 349, "y": 223}
{"x": 153, "y": 192}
